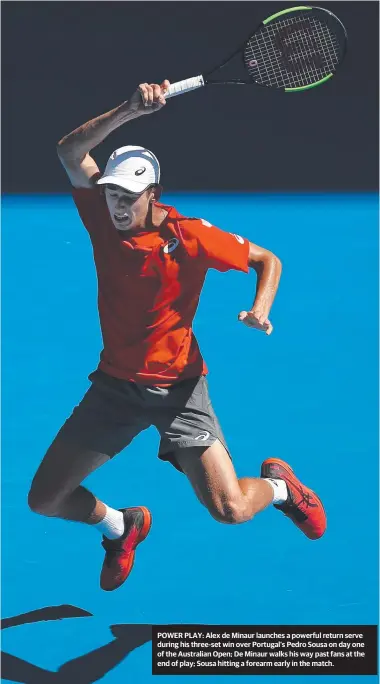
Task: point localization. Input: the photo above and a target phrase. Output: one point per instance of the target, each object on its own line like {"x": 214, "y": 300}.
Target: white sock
{"x": 280, "y": 490}
{"x": 112, "y": 525}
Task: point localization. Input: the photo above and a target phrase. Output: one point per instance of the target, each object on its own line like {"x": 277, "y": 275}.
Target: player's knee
{"x": 230, "y": 511}
{"x": 41, "y": 504}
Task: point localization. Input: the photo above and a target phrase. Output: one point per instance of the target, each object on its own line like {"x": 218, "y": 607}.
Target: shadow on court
{"x": 83, "y": 670}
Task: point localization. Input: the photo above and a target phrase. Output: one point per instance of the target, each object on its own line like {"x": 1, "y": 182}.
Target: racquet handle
{"x": 185, "y": 86}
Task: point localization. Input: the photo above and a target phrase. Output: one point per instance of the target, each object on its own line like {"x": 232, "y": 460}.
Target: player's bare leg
{"x": 231, "y": 500}
{"x": 56, "y": 492}
{"x": 214, "y": 480}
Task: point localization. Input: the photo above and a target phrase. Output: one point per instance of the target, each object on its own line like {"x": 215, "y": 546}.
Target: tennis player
{"x": 151, "y": 264}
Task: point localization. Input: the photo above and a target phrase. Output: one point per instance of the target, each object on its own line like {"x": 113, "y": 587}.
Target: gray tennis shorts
{"x": 114, "y": 411}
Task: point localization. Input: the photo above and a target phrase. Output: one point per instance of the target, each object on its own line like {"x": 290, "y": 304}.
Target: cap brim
{"x": 128, "y": 184}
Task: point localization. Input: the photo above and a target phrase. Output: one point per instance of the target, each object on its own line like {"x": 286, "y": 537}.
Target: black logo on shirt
{"x": 171, "y": 245}
{"x": 140, "y": 171}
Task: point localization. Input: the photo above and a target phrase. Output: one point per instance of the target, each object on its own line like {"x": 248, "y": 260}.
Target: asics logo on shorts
{"x": 203, "y": 436}
{"x": 239, "y": 238}
{"x": 171, "y": 245}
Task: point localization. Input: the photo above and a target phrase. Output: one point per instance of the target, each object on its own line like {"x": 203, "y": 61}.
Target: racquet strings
{"x": 293, "y": 52}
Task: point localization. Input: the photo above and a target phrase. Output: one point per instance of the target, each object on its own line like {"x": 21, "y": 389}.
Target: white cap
{"x": 133, "y": 168}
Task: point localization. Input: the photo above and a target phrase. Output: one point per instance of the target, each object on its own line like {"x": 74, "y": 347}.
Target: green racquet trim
{"x": 279, "y": 14}
{"x": 312, "y": 85}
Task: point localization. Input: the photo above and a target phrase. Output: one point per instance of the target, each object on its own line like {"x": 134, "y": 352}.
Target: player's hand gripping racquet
{"x": 292, "y": 50}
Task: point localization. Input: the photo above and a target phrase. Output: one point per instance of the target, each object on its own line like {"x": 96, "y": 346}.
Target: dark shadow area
{"x": 83, "y": 670}
{"x": 44, "y": 614}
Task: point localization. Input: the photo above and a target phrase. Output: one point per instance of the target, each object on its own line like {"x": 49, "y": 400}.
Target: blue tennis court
{"x": 308, "y": 394}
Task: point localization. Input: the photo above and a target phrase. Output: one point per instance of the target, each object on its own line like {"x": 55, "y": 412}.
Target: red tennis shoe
{"x": 302, "y": 506}
{"x": 120, "y": 553}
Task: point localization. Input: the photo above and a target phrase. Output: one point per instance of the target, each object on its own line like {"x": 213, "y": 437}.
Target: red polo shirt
{"x": 148, "y": 289}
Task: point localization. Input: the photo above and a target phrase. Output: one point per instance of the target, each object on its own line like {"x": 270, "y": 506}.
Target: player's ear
{"x": 156, "y": 194}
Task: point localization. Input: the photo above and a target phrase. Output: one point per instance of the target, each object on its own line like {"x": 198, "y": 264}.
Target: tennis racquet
{"x": 293, "y": 50}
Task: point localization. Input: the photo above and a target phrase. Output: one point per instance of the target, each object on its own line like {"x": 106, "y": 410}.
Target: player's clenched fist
{"x": 149, "y": 97}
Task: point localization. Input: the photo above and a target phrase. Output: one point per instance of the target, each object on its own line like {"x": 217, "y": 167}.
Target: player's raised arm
{"x": 74, "y": 148}
{"x": 268, "y": 268}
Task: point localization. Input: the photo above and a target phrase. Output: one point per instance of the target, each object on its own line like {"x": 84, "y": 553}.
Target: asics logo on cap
{"x": 140, "y": 171}
{"x": 171, "y": 245}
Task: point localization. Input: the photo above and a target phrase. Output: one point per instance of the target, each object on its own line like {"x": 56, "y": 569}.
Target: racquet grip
{"x": 185, "y": 86}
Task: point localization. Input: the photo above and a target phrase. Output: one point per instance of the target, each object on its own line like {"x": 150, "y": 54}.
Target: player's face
{"x": 127, "y": 211}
